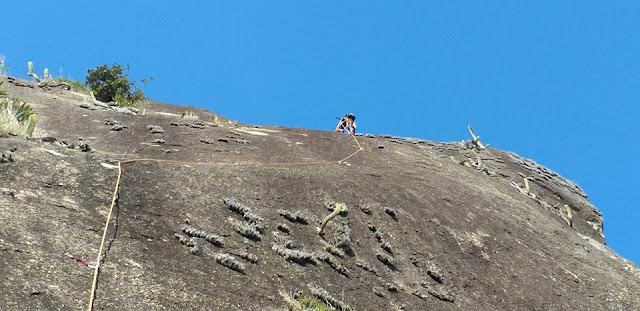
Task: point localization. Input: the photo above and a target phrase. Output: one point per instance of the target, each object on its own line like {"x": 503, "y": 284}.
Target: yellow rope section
{"x": 353, "y": 154}
{"x": 251, "y": 163}
{"x": 104, "y": 235}
{"x": 115, "y": 196}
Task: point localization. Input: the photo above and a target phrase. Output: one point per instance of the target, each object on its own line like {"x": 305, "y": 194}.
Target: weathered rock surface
{"x": 455, "y": 237}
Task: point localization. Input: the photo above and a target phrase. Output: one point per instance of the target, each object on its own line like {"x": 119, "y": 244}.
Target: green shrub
{"x": 2, "y": 93}
{"x": 311, "y": 303}
{"x": 16, "y": 118}
{"x": 75, "y": 85}
{"x": 123, "y": 101}
{"x": 112, "y": 84}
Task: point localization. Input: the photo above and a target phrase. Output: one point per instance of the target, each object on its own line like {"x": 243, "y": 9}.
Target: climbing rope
{"x": 96, "y": 265}
{"x": 251, "y": 163}
{"x": 104, "y": 235}
{"x": 353, "y": 154}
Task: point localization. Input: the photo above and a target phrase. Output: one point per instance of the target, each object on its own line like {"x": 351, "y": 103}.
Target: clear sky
{"x": 556, "y": 81}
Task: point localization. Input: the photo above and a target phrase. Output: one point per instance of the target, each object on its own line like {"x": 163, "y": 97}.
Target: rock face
{"x": 207, "y": 221}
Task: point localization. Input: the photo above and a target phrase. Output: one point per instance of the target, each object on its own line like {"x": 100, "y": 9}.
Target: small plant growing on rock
{"x": 184, "y": 240}
{"x": 248, "y": 257}
{"x": 292, "y": 303}
{"x": 192, "y": 231}
{"x": 246, "y": 230}
{"x": 475, "y": 145}
{"x": 230, "y": 262}
{"x": 47, "y": 80}
{"x": 189, "y": 115}
{"x": 345, "y": 239}
{"x": 435, "y": 273}
{"x": 289, "y": 244}
{"x": 441, "y": 294}
{"x": 366, "y": 266}
{"x": 293, "y": 255}
{"x": 387, "y": 247}
{"x": 391, "y": 212}
{"x": 335, "y": 265}
{"x": 296, "y": 216}
{"x": 17, "y": 118}
{"x": 383, "y": 243}
{"x": 311, "y": 303}
{"x": 328, "y": 299}
{"x": 284, "y": 228}
{"x": 378, "y": 291}
{"x": 254, "y": 219}
{"x": 334, "y": 251}
{"x": 385, "y": 259}
{"x": 195, "y": 250}
{"x": 392, "y": 287}
{"x": 569, "y": 211}
{"x": 155, "y": 129}
{"x": 366, "y": 209}
{"x": 302, "y": 302}
{"x": 377, "y": 232}
{"x": 526, "y": 182}
{"x": 46, "y": 77}
{"x": 189, "y": 242}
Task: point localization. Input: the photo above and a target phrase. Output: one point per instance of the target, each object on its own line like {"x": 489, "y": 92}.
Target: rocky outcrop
{"x": 208, "y": 221}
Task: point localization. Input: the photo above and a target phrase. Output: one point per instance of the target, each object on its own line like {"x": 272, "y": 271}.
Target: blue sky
{"x": 555, "y": 81}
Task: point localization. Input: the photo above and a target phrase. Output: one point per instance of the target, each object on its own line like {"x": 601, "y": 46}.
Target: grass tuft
{"x": 328, "y": 299}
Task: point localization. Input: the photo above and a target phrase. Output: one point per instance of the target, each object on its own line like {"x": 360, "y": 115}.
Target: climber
{"x": 348, "y": 122}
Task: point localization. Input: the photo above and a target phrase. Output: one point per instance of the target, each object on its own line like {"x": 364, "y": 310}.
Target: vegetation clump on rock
{"x": 329, "y": 299}
{"x": 294, "y": 255}
{"x": 335, "y": 265}
{"x": 246, "y": 230}
{"x": 254, "y": 219}
{"x": 113, "y": 84}
{"x": 230, "y": 262}
{"x": 296, "y": 216}
{"x": 192, "y": 231}
{"x": 15, "y": 117}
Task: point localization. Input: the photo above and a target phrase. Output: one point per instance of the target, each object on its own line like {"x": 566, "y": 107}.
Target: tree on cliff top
{"x": 112, "y": 84}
